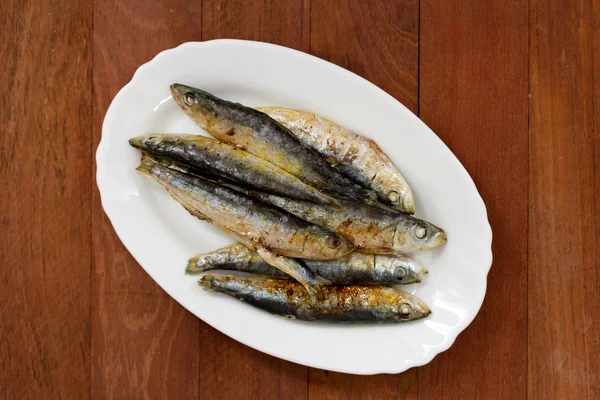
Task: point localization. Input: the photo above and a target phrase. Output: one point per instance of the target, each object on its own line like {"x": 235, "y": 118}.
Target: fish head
{"x": 155, "y": 143}
{"x": 408, "y": 307}
{"x": 399, "y": 268}
{"x": 195, "y": 102}
{"x": 327, "y": 245}
{"x": 166, "y": 144}
{"x": 420, "y": 235}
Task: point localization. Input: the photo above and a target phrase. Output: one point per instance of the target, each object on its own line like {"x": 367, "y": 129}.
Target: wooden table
{"x": 512, "y": 87}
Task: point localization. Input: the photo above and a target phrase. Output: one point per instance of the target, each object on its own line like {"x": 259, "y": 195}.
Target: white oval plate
{"x": 161, "y": 235}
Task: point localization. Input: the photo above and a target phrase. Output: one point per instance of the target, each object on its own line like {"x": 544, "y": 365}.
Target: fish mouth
{"x": 138, "y": 142}
{"x": 440, "y": 237}
{"x": 422, "y": 309}
{"x": 181, "y": 93}
{"x": 408, "y": 203}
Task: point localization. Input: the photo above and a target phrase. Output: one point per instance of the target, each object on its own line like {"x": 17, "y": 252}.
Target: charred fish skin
{"x": 264, "y": 137}
{"x": 220, "y": 159}
{"x": 371, "y": 229}
{"x": 352, "y": 268}
{"x": 340, "y": 303}
{"x": 272, "y": 233}
{"x": 358, "y": 157}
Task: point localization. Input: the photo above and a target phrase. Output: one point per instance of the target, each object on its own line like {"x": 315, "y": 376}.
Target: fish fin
{"x": 311, "y": 282}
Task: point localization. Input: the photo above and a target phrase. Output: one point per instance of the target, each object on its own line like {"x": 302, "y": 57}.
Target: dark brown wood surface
{"x": 473, "y": 94}
{"x": 564, "y": 200}
{"x": 513, "y": 88}
{"x": 45, "y": 199}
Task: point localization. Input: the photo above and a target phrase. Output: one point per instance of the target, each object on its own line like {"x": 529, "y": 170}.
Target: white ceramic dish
{"x": 161, "y": 235}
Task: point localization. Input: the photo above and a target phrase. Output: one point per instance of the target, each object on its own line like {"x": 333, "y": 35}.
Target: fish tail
{"x": 206, "y": 283}
{"x": 321, "y": 281}
{"x": 146, "y": 165}
{"x": 315, "y": 287}
{"x": 197, "y": 264}
{"x": 329, "y": 200}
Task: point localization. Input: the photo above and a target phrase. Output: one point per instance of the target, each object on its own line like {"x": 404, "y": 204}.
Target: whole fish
{"x": 262, "y": 136}
{"x": 356, "y": 156}
{"x": 340, "y": 303}
{"x": 371, "y": 229}
{"x": 211, "y": 156}
{"x": 352, "y": 268}
{"x": 273, "y": 234}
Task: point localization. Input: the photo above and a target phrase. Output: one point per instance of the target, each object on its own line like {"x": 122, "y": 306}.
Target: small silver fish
{"x": 339, "y": 303}
{"x": 356, "y": 156}
{"x": 208, "y": 155}
{"x": 273, "y": 234}
{"x": 355, "y": 267}
{"x": 264, "y": 137}
{"x": 371, "y": 229}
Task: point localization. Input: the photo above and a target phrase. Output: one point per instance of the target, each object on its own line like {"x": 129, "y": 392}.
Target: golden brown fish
{"x": 355, "y": 267}
{"x": 358, "y": 157}
{"x": 342, "y": 304}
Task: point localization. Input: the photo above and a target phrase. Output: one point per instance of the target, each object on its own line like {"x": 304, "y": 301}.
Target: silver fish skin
{"x": 275, "y": 235}
{"x": 264, "y": 137}
{"x": 208, "y": 155}
{"x": 339, "y": 303}
{"x": 355, "y": 267}
{"x": 356, "y": 156}
{"x": 371, "y": 229}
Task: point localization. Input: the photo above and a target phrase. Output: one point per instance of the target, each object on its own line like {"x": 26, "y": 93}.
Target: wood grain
{"x": 379, "y": 41}
{"x": 473, "y": 94}
{"x": 45, "y": 191}
{"x": 144, "y": 344}
{"x": 564, "y": 261}
{"x": 229, "y": 369}
{"x": 280, "y": 22}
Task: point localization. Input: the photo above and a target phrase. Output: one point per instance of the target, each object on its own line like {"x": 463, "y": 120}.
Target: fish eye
{"x": 400, "y": 273}
{"x": 393, "y": 197}
{"x": 189, "y": 99}
{"x": 333, "y": 241}
{"x": 421, "y": 232}
{"x": 405, "y": 310}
